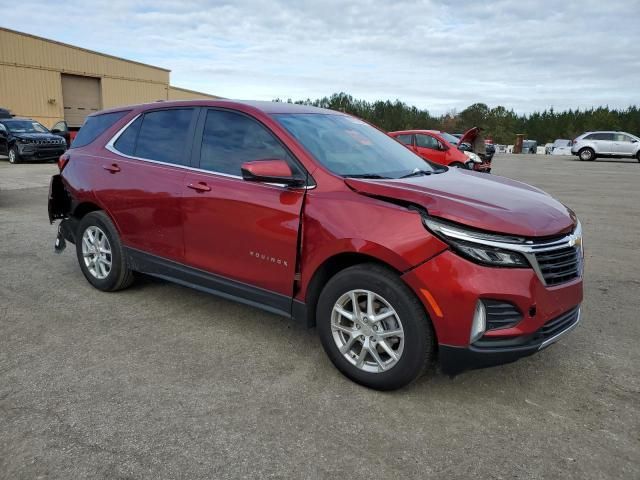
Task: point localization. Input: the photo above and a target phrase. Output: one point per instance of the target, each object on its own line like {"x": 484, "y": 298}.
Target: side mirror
{"x": 56, "y": 131}
{"x": 270, "y": 171}
{"x": 633, "y": 140}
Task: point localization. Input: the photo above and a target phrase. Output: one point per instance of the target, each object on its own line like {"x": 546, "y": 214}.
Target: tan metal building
{"x": 51, "y": 81}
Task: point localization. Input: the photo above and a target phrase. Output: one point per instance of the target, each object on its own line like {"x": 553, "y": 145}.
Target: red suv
{"x": 443, "y": 148}
{"x": 318, "y": 216}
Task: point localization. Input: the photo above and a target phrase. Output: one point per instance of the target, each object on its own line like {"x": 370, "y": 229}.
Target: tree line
{"x": 499, "y": 123}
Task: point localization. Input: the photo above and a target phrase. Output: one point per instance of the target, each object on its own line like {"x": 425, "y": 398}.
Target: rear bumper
{"x": 454, "y": 360}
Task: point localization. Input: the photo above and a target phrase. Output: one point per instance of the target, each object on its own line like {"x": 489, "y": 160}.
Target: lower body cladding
{"x": 485, "y": 316}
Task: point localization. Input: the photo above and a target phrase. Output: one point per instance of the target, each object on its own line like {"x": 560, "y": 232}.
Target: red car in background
{"x": 443, "y": 148}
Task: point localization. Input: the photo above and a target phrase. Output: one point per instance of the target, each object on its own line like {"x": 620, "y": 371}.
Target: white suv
{"x": 591, "y": 145}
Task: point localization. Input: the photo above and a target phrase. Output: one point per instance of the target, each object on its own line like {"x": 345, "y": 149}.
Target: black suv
{"x": 25, "y": 139}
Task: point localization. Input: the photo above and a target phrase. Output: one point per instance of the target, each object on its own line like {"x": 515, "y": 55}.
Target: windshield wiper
{"x": 365, "y": 175}
{"x": 417, "y": 173}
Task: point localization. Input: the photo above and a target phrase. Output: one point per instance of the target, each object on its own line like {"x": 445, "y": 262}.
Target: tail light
{"x": 63, "y": 160}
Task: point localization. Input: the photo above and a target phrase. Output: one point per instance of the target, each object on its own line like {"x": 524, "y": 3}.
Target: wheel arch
{"x": 328, "y": 268}
{"x": 83, "y": 208}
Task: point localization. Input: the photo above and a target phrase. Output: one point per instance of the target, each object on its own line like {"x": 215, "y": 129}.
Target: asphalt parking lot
{"x": 160, "y": 381}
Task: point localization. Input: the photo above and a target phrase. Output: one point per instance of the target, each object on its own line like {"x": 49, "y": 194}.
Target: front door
{"x": 242, "y": 231}
{"x": 429, "y": 147}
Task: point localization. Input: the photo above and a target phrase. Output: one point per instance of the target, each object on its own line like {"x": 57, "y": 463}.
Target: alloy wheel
{"x": 367, "y": 331}
{"x": 586, "y": 154}
{"x": 96, "y": 252}
{"x": 12, "y": 156}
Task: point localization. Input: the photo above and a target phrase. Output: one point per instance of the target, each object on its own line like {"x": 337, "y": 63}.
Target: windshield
{"x": 25, "y": 126}
{"x": 351, "y": 148}
{"x": 450, "y": 138}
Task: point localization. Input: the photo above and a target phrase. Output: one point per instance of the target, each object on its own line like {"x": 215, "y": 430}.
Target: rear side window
{"x": 163, "y": 135}
{"x": 405, "y": 139}
{"x": 230, "y": 139}
{"x": 600, "y": 136}
{"x": 95, "y": 126}
{"x": 126, "y": 142}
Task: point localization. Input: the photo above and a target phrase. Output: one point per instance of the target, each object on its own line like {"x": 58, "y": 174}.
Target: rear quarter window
{"x": 95, "y": 126}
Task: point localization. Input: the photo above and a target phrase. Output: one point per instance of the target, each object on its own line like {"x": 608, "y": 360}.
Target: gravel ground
{"x": 160, "y": 381}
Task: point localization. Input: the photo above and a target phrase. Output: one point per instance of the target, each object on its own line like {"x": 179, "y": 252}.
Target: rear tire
{"x": 412, "y": 351}
{"x": 100, "y": 253}
{"x": 587, "y": 155}
{"x": 14, "y": 155}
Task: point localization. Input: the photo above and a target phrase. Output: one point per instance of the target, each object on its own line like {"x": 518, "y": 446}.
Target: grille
{"x": 559, "y": 266}
{"x": 558, "y": 324}
{"x": 550, "y": 329}
{"x": 501, "y": 314}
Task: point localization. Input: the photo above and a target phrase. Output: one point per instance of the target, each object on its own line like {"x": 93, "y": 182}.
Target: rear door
{"x": 243, "y": 231}
{"x": 140, "y": 180}
{"x": 407, "y": 140}
{"x": 429, "y": 147}
{"x": 603, "y": 142}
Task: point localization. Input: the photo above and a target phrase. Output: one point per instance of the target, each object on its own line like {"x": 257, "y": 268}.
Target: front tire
{"x": 457, "y": 165}
{"x": 373, "y": 328}
{"x": 100, "y": 253}
{"x": 587, "y": 155}
{"x": 14, "y": 155}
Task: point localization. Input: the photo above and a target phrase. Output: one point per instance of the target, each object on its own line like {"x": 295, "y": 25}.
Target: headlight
{"x": 476, "y": 246}
{"x": 473, "y": 157}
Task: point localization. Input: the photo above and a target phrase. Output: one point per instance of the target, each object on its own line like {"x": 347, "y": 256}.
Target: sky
{"x": 437, "y": 55}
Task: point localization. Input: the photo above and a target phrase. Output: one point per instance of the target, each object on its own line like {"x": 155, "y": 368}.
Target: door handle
{"x": 199, "y": 187}
{"x": 113, "y": 168}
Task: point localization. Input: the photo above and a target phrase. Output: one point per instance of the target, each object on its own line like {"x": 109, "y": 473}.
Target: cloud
{"x": 439, "y": 55}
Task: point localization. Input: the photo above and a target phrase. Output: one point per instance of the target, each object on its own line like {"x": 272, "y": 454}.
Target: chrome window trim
{"x": 111, "y": 147}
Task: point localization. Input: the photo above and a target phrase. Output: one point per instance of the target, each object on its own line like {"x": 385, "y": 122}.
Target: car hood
{"x": 486, "y": 202}
{"x": 37, "y": 136}
{"x": 469, "y": 136}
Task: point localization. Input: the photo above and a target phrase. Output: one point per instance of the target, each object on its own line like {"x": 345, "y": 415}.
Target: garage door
{"x": 80, "y": 97}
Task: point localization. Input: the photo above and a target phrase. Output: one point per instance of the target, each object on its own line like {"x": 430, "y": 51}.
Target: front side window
{"x": 621, "y": 137}
{"x": 60, "y": 126}
{"x": 350, "y": 147}
{"x": 427, "y": 141}
{"x": 230, "y": 139}
{"x": 452, "y": 139}
{"x": 163, "y": 135}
